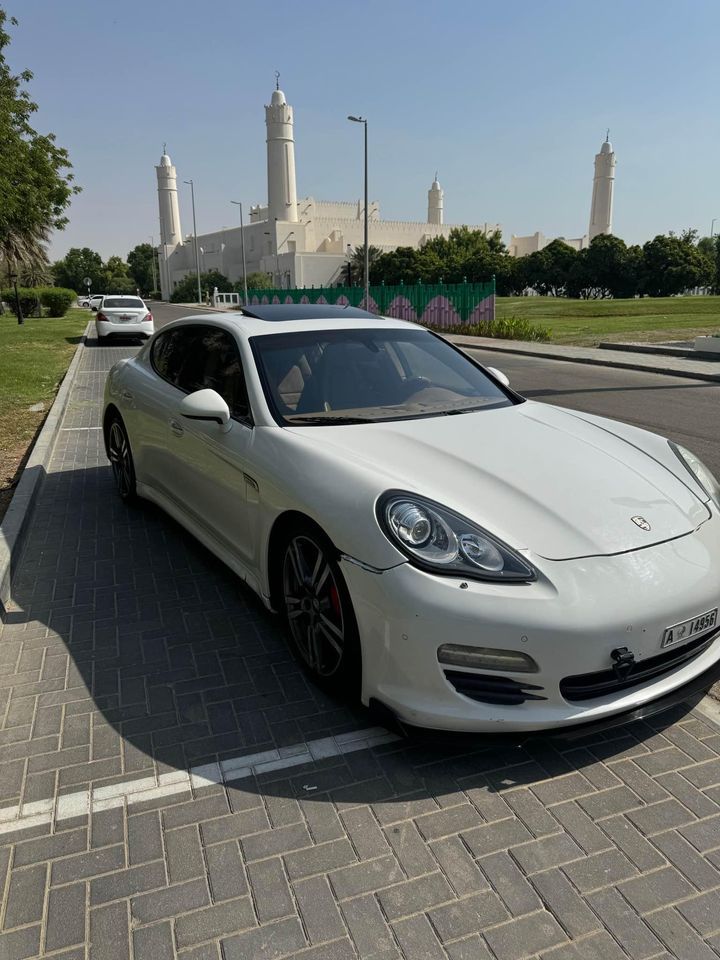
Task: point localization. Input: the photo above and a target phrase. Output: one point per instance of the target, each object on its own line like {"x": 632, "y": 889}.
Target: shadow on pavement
{"x": 179, "y": 664}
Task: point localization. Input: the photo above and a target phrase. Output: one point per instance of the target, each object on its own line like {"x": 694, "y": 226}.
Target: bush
{"x": 58, "y": 300}
{"x": 506, "y": 328}
{"x": 29, "y": 300}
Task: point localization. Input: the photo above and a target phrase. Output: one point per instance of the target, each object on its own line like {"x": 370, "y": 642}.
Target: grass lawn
{"x": 33, "y": 360}
{"x": 589, "y": 321}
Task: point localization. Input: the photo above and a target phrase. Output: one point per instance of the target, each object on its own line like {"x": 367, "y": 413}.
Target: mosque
{"x": 299, "y": 243}
{"x": 307, "y": 242}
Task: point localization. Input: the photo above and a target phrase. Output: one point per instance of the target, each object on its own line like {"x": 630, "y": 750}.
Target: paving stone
{"x": 560, "y": 789}
{"x": 563, "y": 901}
{"x": 219, "y": 920}
{"x": 417, "y": 938}
{"x": 458, "y": 866}
{"x": 226, "y": 872}
{"x": 665, "y": 815}
{"x": 699, "y": 870}
{"x": 184, "y": 854}
{"x": 20, "y": 944}
{"x": 496, "y": 836}
{"x": 598, "y": 946}
{"x": 703, "y": 912}
{"x": 364, "y": 877}
{"x": 624, "y": 924}
{"x": 83, "y": 866}
{"x": 169, "y": 901}
{"x": 447, "y": 822}
{"x": 368, "y": 930}
{"x": 49, "y": 848}
{"x": 609, "y": 802}
{"x": 464, "y": 917}
{"x": 320, "y": 859}
{"x": 154, "y": 942}
{"x": 127, "y": 883}
{"x": 414, "y": 896}
{"x": 25, "y": 896}
{"x": 600, "y": 870}
{"x": 109, "y": 937}
{"x": 270, "y": 890}
{"x": 580, "y": 827}
{"x": 525, "y": 936}
{"x": 704, "y": 835}
{"x": 144, "y": 838}
{"x": 265, "y": 943}
{"x": 531, "y": 812}
{"x": 365, "y": 833}
{"x": 412, "y": 853}
{"x": 318, "y": 909}
{"x": 107, "y": 827}
{"x": 278, "y": 840}
{"x": 65, "y": 917}
{"x": 233, "y": 826}
{"x": 678, "y": 936}
{"x": 631, "y": 842}
{"x": 470, "y": 948}
{"x": 509, "y": 882}
{"x": 654, "y": 890}
{"x": 545, "y": 853}
{"x": 704, "y": 775}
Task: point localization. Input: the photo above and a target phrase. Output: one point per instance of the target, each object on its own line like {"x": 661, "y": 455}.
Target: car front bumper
{"x": 569, "y": 621}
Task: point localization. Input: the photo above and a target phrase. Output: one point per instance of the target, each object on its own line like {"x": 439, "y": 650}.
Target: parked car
{"x": 93, "y": 301}
{"x": 464, "y": 557}
{"x": 123, "y": 316}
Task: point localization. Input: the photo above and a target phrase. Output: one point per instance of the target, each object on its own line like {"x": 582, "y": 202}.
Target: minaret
{"x": 603, "y": 186}
{"x": 435, "y": 202}
{"x": 282, "y": 191}
{"x": 170, "y": 232}
{"x": 170, "y": 229}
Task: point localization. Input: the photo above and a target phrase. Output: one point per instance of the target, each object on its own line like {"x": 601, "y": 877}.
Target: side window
{"x": 196, "y": 358}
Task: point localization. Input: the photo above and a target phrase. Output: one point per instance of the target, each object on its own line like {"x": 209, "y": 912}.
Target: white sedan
{"x": 459, "y": 556}
{"x": 123, "y": 316}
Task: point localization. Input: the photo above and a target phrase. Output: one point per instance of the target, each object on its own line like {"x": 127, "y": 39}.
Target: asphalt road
{"x": 686, "y": 411}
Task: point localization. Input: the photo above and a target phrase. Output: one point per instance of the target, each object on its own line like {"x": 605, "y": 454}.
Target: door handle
{"x": 176, "y": 427}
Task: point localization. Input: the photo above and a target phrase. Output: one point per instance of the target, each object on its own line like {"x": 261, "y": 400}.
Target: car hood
{"x": 537, "y": 476}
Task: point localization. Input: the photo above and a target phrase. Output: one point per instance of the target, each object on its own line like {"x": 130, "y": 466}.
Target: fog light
{"x": 486, "y": 658}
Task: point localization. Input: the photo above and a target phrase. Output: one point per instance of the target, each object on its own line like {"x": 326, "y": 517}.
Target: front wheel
{"x": 318, "y": 611}
{"x": 121, "y": 460}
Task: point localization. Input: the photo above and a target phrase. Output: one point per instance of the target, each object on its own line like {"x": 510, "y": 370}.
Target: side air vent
{"x": 487, "y": 688}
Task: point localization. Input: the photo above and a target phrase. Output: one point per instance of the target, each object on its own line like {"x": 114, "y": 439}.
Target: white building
{"x": 601, "y": 208}
{"x": 299, "y": 243}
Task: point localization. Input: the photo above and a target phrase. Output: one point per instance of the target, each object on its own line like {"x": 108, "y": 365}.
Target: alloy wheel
{"x": 313, "y": 606}
{"x": 121, "y": 460}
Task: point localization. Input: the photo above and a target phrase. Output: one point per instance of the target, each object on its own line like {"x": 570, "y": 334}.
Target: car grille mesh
{"x": 589, "y": 686}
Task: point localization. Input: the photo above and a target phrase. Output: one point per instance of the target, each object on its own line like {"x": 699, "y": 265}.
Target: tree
{"x": 673, "y": 264}
{"x": 186, "y": 290}
{"x": 395, "y": 267}
{"x": 255, "y": 281}
{"x": 548, "y": 270}
{"x": 35, "y": 180}
{"x": 140, "y": 265}
{"x": 357, "y": 262}
{"x": 76, "y": 265}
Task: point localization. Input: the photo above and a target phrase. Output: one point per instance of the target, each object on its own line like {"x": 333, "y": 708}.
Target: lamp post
{"x": 152, "y": 260}
{"x": 242, "y": 250}
{"x": 349, "y": 256}
{"x": 712, "y": 227}
{"x": 363, "y": 120}
{"x": 197, "y": 255}
{"x": 277, "y": 262}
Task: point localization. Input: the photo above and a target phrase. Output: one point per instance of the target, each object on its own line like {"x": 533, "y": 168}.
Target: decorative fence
{"x": 433, "y": 305}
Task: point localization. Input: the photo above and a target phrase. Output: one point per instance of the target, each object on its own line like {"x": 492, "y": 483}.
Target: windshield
{"x": 131, "y": 302}
{"x": 363, "y": 376}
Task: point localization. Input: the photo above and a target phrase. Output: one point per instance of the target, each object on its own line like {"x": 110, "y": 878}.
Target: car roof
{"x": 279, "y": 312}
{"x": 249, "y": 326}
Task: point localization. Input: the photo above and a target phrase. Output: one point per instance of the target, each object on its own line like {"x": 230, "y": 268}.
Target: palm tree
{"x": 357, "y": 261}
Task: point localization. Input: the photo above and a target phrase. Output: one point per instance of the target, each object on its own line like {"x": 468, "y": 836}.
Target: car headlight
{"x": 699, "y": 471}
{"x": 438, "y": 539}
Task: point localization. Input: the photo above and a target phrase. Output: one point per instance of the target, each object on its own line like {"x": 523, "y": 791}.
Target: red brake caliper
{"x": 335, "y": 600}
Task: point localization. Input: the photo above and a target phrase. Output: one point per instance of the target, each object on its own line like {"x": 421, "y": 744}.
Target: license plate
{"x": 690, "y": 628}
{"x": 126, "y": 317}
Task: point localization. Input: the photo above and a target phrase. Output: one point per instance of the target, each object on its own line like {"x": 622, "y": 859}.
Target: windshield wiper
{"x": 320, "y": 420}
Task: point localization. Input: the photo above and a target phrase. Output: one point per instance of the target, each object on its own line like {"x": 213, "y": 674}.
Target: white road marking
{"x": 82, "y": 802}
{"x": 68, "y": 429}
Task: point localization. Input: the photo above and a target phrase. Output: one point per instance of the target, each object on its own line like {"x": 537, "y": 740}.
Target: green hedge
{"x": 55, "y": 300}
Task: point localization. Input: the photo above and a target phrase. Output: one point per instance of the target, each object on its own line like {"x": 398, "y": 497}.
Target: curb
{"x": 546, "y": 354}
{"x": 14, "y": 523}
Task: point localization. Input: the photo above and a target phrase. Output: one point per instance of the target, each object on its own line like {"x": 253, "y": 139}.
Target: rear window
{"x": 132, "y": 302}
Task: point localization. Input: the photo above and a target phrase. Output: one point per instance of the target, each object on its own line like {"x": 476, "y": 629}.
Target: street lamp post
{"x": 18, "y": 305}
{"x": 197, "y": 255}
{"x": 152, "y": 260}
{"x": 242, "y": 250}
{"x": 363, "y": 120}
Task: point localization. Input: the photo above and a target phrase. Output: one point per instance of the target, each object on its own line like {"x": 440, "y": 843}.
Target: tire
{"x": 121, "y": 460}
{"x": 318, "y": 612}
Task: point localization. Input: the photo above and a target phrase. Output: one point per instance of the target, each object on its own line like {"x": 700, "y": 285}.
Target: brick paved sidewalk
{"x": 172, "y": 786}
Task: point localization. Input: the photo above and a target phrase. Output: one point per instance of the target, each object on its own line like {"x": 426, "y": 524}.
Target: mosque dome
{"x": 278, "y": 98}
{"x": 165, "y": 161}
{"x": 606, "y": 147}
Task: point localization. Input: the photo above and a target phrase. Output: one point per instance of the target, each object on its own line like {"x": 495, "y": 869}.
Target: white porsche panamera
{"x": 464, "y": 557}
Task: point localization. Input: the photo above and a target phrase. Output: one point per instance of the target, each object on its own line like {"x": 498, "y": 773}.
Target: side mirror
{"x": 94, "y": 309}
{"x": 206, "y": 405}
{"x": 499, "y": 375}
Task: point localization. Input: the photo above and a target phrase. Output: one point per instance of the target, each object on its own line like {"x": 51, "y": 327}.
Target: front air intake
{"x": 486, "y": 688}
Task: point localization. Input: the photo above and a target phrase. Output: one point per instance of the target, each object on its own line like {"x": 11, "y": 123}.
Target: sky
{"x": 509, "y": 102}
